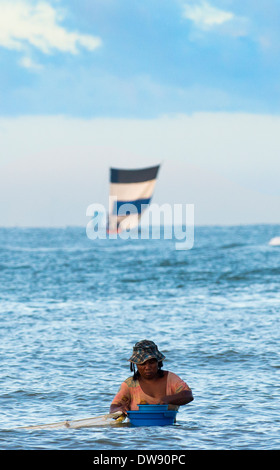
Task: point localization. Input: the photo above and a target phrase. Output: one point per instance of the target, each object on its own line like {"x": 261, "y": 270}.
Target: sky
{"x": 89, "y": 84}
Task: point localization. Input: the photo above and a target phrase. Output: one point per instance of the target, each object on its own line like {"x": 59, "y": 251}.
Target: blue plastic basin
{"x": 152, "y": 415}
{"x": 150, "y": 408}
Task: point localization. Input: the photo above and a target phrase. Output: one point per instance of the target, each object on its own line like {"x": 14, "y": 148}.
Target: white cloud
{"x": 206, "y": 16}
{"x": 24, "y": 23}
{"x": 28, "y": 63}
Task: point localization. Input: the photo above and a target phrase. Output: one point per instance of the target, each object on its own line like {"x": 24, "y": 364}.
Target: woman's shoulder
{"x": 176, "y": 381}
{"x": 131, "y": 383}
{"x": 172, "y": 376}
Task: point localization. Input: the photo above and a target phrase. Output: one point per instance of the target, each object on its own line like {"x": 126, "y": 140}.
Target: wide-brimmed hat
{"x": 145, "y": 350}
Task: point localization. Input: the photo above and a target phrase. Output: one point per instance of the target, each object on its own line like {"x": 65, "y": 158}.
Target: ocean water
{"x": 71, "y": 310}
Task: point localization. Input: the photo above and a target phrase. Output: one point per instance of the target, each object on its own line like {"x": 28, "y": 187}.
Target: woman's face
{"x": 149, "y": 369}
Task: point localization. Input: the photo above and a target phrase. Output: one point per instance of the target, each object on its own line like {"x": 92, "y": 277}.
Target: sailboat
{"x": 131, "y": 191}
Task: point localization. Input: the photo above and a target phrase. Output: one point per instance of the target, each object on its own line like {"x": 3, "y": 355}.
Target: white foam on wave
{"x": 274, "y": 241}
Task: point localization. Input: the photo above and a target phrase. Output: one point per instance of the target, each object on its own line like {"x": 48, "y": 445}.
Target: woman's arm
{"x": 118, "y": 407}
{"x": 180, "y": 398}
{"x": 121, "y": 401}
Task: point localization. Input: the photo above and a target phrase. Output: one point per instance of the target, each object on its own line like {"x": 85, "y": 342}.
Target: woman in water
{"x": 149, "y": 383}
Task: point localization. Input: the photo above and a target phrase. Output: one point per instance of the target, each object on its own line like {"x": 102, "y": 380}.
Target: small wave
{"x": 246, "y": 275}
{"x": 4, "y": 267}
{"x": 168, "y": 262}
{"x": 144, "y": 279}
{"x": 29, "y": 394}
{"x": 131, "y": 280}
{"x": 228, "y": 355}
{"x": 21, "y": 393}
{"x": 232, "y": 245}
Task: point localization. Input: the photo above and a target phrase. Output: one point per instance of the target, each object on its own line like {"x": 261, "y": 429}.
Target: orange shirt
{"x": 131, "y": 394}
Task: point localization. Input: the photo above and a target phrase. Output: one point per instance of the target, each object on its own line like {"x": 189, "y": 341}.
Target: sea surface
{"x": 72, "y": 308}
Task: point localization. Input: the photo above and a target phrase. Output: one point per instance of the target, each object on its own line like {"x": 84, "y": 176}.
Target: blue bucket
{"x": 152, "y": 415}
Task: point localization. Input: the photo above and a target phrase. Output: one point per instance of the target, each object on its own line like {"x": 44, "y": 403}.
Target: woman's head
{"x": 144, "y": 350}
{"x": 147, "y": 358}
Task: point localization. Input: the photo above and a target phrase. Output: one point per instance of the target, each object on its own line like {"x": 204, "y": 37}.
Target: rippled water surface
{"x": 72, "y": 308}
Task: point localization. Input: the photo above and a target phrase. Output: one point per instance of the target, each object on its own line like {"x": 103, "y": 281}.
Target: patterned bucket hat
{"x": 144, "y": 350}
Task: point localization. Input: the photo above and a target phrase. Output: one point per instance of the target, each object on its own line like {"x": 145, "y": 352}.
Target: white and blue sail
{"x": 131, "y": 191}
